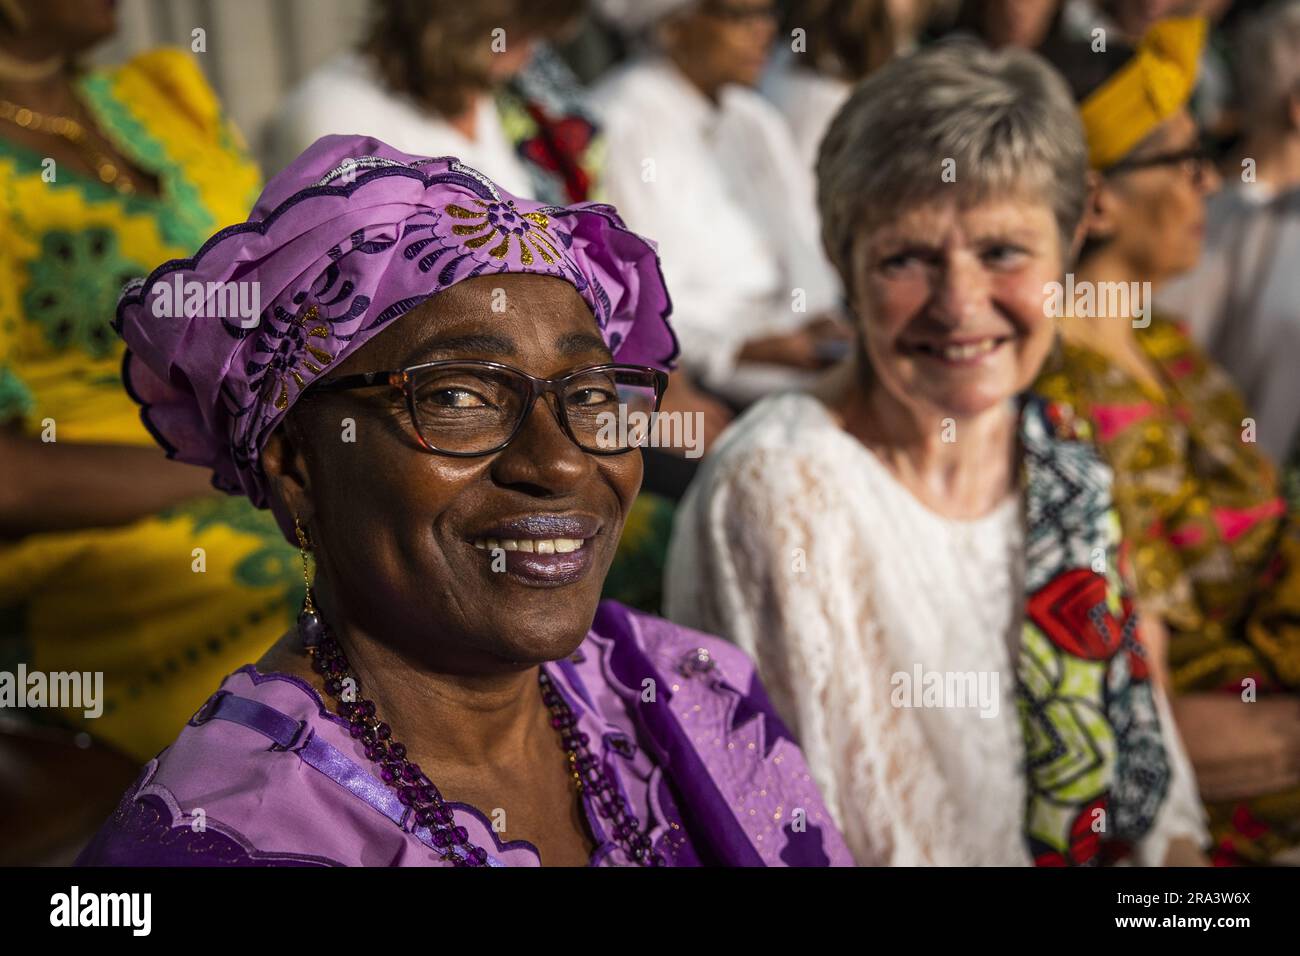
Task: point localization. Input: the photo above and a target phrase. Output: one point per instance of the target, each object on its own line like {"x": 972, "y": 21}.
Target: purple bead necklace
{"x": 416, "y": 791}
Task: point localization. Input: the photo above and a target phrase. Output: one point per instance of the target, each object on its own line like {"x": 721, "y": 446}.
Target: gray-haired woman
{"x": 921, "y": 555}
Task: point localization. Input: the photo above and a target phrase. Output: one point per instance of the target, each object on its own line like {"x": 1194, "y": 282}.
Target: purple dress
{"x": 263, "y": 775}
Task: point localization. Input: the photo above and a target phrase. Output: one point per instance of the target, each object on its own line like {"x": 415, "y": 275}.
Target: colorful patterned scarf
{"x": 1096, "y": 766}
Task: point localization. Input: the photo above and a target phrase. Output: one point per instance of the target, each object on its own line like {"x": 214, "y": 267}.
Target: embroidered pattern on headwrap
{"x": 503, "y": 220}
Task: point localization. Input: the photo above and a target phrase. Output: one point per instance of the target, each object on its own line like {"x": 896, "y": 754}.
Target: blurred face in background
{"x": 1019, "y": 23}
{"x": 949, "y": 301}
{"x": 716, "y": 42}
{"x": 1153, "y": 216}
{"x": 1135, "y": 16}
{"x": 40, "y": 28}
{"x": 446, "y": 53}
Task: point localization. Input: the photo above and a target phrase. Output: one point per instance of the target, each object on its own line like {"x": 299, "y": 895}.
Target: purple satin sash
{"x": 297, "y": 736}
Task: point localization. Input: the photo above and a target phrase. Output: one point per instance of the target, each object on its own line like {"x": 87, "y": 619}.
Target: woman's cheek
{"x": 894, "y": 303}
{"x": 1024, "y": 301}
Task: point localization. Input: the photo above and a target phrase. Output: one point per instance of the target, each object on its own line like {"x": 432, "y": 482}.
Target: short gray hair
{"x": 1005, "y": 120}
{"x": 1267, "y": 62}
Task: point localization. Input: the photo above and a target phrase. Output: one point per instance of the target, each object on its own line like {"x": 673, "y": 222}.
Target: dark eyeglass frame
{"x": 1200, "y": 154}
{"x": 402, "y": 378}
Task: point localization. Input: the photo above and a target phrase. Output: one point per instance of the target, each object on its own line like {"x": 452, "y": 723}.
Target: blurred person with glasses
{"x": 1213, "y": 552}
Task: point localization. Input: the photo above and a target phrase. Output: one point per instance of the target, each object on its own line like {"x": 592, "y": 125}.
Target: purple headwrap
{"x": 350, "y": 236}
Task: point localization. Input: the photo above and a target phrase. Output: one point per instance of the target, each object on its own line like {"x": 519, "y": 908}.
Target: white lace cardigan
{"x": 796, "y": 543}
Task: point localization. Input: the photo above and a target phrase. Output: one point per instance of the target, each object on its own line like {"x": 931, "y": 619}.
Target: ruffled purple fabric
{"x": 350, "y": 236}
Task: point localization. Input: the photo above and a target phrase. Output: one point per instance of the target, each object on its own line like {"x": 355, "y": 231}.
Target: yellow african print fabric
{"x": 1213, "y": 545}
{"x": 126, "y": 601}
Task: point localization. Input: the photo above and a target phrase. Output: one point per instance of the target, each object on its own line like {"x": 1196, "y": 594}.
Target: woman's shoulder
{"x": 217, "y": 795}
{"x": 176, "y": 76}
{"x": 785, "y": 454}
{"x": 778, "y": 429}
{"x": 1169, "y": 337}
{"x": 668, "y": 648}
{"x": 696, "y": 700}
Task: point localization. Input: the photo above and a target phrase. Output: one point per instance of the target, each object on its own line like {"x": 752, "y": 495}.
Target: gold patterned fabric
{"x": 1213, "y": 546}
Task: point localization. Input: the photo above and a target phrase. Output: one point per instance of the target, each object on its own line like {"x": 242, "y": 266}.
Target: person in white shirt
{"x": 921, "y": 555}
{"x": 1242, "y": 301}
{"x": 431, "y": 78}
{"x": 699, "y": 160}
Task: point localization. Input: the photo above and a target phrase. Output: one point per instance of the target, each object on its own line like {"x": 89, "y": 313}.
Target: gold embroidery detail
{"x": 532, "y": 241}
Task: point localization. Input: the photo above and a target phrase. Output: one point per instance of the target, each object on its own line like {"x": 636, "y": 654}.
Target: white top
{"x": 808, "y": 101}
{"x": 1242, "y": 303}
{"x": 798, "y": 544}
{"x": 722, "y": 190}
{"x": 345, "y": 96}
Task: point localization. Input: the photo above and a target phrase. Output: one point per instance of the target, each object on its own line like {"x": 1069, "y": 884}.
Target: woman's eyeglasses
{"x": 467, "y": 409}
{"x": 1195, "y": 161}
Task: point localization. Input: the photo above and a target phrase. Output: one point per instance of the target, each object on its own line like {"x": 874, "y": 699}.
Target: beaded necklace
{"x": 419, "y": 794}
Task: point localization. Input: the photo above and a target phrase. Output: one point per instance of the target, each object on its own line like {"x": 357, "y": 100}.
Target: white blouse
{"x": 798, "y": 544}
{"x": 346, "y": 96}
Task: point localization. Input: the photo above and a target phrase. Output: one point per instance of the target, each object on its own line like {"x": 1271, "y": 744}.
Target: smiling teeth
{"x": 962, "y": 353}
{"x": 531, "y": 545}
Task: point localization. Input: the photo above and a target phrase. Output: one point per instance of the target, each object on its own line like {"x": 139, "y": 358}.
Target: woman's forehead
{"x": 490, "y": 316}
{"x": 1019, "y": 211}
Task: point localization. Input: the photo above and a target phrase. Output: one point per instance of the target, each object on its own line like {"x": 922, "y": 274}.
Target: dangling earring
{"x": 310, "y": 627}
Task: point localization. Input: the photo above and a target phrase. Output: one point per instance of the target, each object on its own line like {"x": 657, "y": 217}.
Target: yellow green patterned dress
{"x": 1214, "y": 545}
{"x": 126, "y": 601}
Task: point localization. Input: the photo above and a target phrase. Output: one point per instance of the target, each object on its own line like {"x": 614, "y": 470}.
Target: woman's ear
{"x": 1100, "y": 216}
{"x": 285, "y": 467}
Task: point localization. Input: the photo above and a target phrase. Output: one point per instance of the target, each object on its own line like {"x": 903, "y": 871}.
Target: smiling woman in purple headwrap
{"x": 418, "y": 400}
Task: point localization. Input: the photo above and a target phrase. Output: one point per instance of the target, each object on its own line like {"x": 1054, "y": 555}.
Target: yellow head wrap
{"x": 1151, "y": 87}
